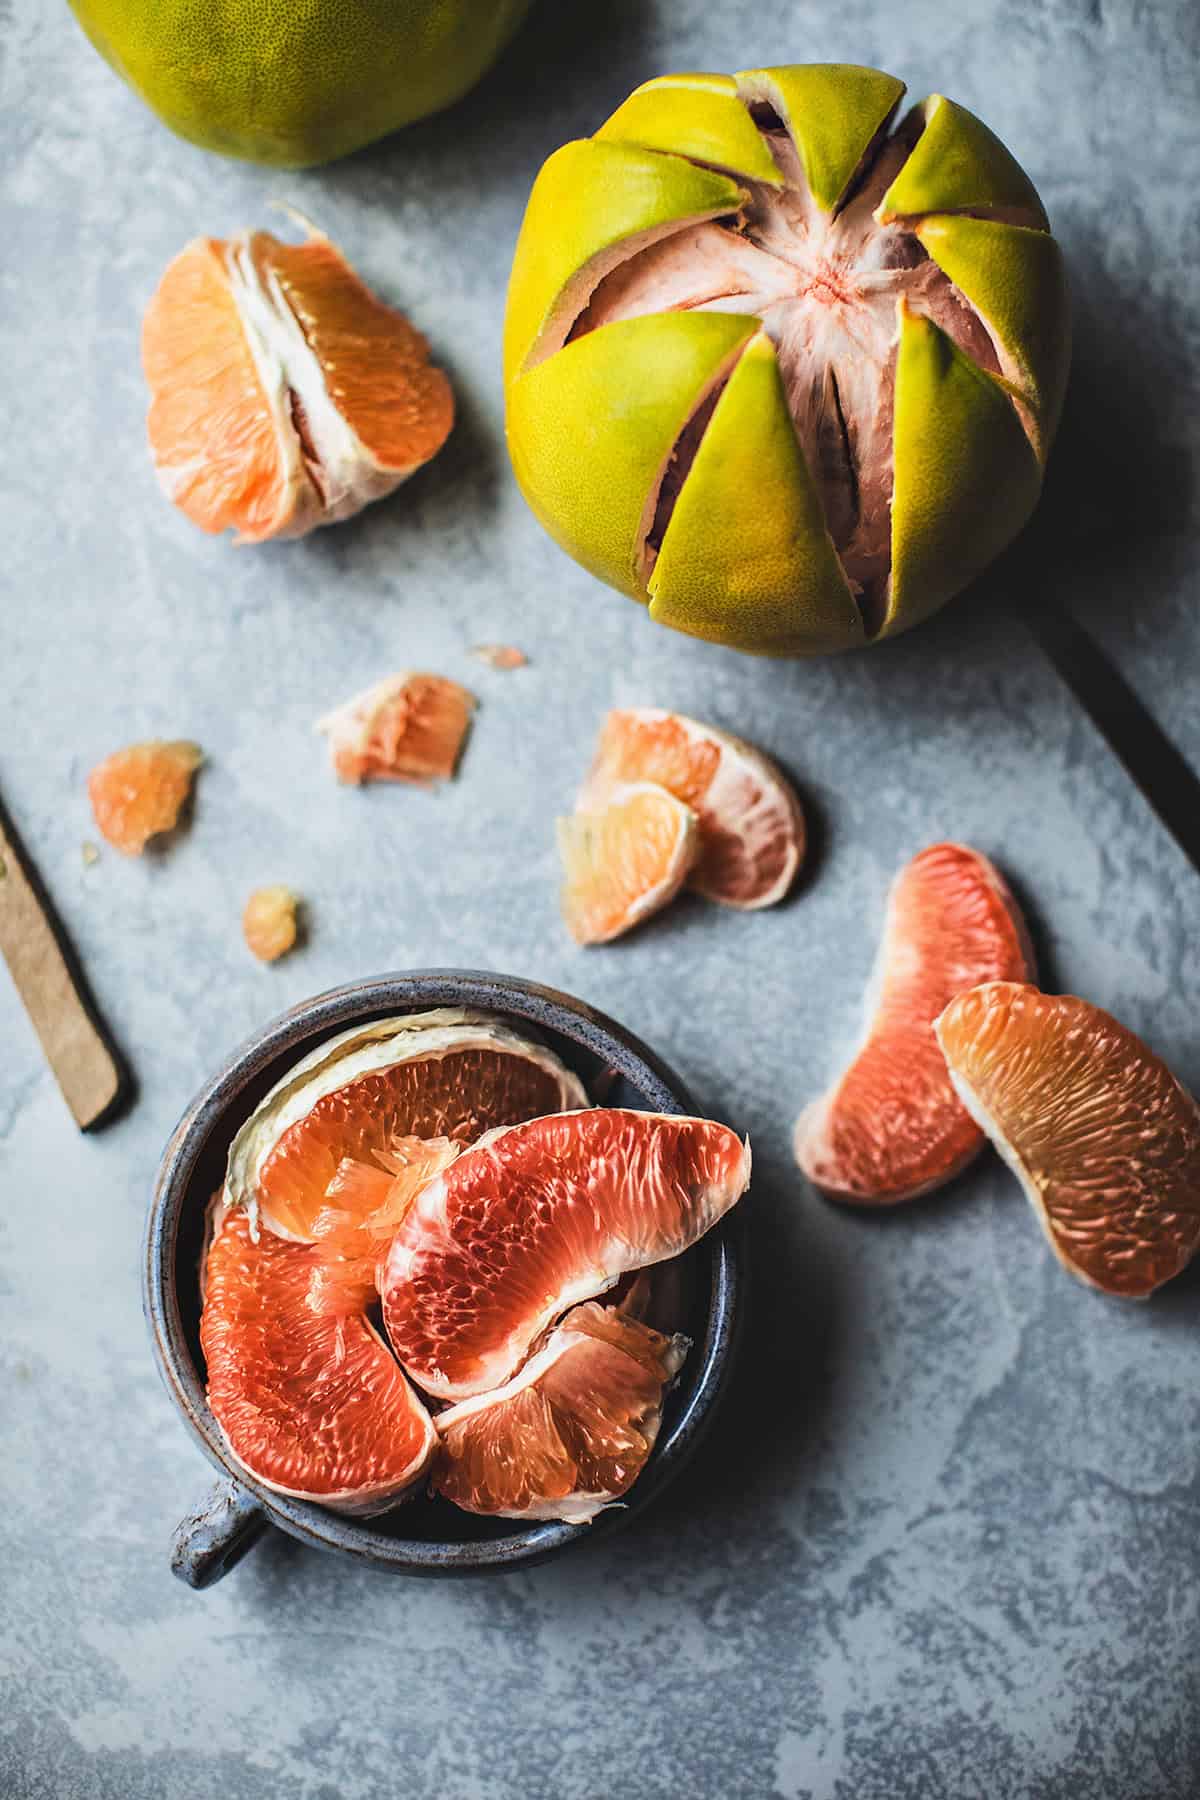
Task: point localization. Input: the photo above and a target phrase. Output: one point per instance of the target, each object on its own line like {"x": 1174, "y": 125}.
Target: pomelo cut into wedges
{"x": 625, "y": 861}
{"x": 283, "y": 394}
{"x": 364, "y": 1205}
{"x": 312, "y": 1407}
{"x": 751, "y": 826}
{"x": 891, "y": 1126}
{"x": 139, "y": 792}
{"x": 404, "y": 728}
{"x": 445, "y": 1073}
{"x": 538, "y": 1217}
{"x": 1102, "y": 1137}
{"x": 571, "y": 1432}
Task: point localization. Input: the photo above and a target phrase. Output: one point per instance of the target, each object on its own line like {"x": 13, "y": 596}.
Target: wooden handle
{"x": 51, "y": 989}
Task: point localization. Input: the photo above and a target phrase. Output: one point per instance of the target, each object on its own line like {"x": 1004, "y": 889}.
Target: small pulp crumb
{"x": 269, "y": 923}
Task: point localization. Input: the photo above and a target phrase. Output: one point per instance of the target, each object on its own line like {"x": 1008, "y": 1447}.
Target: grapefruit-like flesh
{"x": 538, "y": 1217}
{"x": 139, "y": 792}
{"x": 570, "y": 1433}
{"x": 312, "y": 1407}
{"x": 626, "y": 861}
{"x": 891, "y": 1126}
{"x": 364, "y": 1205}
{"x": 751, "y": 826}
{"x": 1102, "y": 1137}
{"x": 404, "y": 728}
{"x": 446, "y": 1073}
{"x": 269, "y": 922}
{"x": 283, "y": 394}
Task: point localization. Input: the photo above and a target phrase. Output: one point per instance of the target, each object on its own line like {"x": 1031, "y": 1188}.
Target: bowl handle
{"x": 217, "y": 1534}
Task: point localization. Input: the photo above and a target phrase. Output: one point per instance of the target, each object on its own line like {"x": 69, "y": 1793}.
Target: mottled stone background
{"x": 944, "y": 1542}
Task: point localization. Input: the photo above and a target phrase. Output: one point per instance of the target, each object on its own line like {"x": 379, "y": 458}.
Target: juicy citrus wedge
{"x": 891, "y": 1126}
{"x": 1101, "y": 1136}
{"x": 750, "y": 823}
{"x": 404, "y": 728}
{"x": 312, "y": 1407}
{"x": 626, "y": 861}
{"x": 364, "y": 1204}
{"x": 269, "y": 923}
{"x": 283, "y": 394}
{"x": 446, "y": 1073}
{"x": 139, "y": 792}
{"x": 571, "y": 1432}
{"x": 538, "y": 1217}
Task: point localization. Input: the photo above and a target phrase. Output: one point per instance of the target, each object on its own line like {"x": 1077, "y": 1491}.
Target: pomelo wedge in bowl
{"x": 425, "y": 1537}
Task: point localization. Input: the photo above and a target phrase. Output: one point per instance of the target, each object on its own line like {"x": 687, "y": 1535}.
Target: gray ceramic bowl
{"x": 423, "y": 1537}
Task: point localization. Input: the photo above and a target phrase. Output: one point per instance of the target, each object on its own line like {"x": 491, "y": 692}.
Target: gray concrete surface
{"x": 944, "y": 1542}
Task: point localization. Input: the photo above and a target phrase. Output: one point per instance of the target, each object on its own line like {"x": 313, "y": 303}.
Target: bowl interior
{"x": 697, "y": 1293}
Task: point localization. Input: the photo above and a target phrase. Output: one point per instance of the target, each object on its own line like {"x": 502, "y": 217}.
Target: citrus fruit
{"x": 891, "y": 1126}
{"x": 295, "y": 85}
{"x": 537, "y": 1217}
{"x": 1100, "y": 1134}
{"x": 783, "y": 375}
{"x": 312, "y": 1407}
{"x": 269, "y": 923}
{"x": 364, "y": 1204}
{"x": 626, "y": 861}
{"x": 446, "y": 1073}
{"x": 404, "y": 728}
{"x": 570, "y": 1433}
{"x": 139, "y": 792}
{"x": 750, "y": 823}
{"x": 283, "y": 394}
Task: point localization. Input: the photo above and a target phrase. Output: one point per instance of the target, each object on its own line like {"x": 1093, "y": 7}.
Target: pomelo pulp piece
{"x": 407, "y": 727}
{"x": 538, "y": 1217}
{"x": 364, "y": 1205}
{"x": 571, "y": 1432}
{"x": 625, "y": 861}
{"x": 750, "y": 821}
{"x": 1102, "y": 1137}
{"x": 139, "y": 792}
{"x": 283, "y": 394}
{"x": 313, "y": 1407}
{"x": 891, "y": 1126}
{"x": 269, "y": 922}
{"x": 447, "y": 1073}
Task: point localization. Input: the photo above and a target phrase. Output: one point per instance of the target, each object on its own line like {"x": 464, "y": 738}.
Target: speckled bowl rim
{"x": 705, "y": 1372}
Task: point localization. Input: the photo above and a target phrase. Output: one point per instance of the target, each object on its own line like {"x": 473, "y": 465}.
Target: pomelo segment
{"x": 571, "y": 1432}
{"x": 538, "y": 1217}
{"x": 407, "y": 727}
{"x": 1102, "y": 1137}
{"x": 312, "y": 1407}
{"x": 139, "y": 792}
{"x": 891, "y": 1127}
{"x": 625, "y": 861}
{"x": 364, "y": 1204}
{"x": 445, "y": 1073}
{"x": 751, "y": 826}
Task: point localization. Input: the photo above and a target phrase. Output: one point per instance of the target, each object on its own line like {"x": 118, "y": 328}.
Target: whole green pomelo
{"x": 296, "y": 82}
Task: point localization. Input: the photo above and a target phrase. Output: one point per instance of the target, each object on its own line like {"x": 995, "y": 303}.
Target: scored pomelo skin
{"x": 1103, "y": 1138}
{"x": 873, "y": 429}
{"x": 538, "y": 1217}
{"x": 293, "y": 85}
{"x": 571, "y": 1432}
{"x": 449, "y": 1072}
{"x": 891, "y": 1126}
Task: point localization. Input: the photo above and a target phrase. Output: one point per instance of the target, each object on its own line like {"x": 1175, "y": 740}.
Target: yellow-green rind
{"x": 698, "y": 116}
{"x": 1014, "y": 278}
{"x": 746, "y": 559}
{"x": 590, "y": 198}
{"x": 966, "y": 477}
{"x": 591, "y": 429}
{"x": 959, "y": 165}
{"x": 832, "y": 111}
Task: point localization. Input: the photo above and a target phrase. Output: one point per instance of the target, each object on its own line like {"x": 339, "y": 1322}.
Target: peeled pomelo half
{"x": 625, "y": 861}
{"x": 750, "y": 823}
{"x": 571, "y": 1432}
{"x": 446, "y": 1073}
{"x": 538, "y": 1217}
{"x": 139, "y": 792}
{"x": 891, "y": 1126}
{"x": 312, "y": 1407}
{"x": 283, "y": 394}
{"x": 1102, "y": 1137}
{"x": 364, "y": 1204}
{"x": 404, "y": 728}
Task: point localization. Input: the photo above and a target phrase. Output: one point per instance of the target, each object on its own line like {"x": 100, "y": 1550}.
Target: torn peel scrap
{"x": 626, "y": 861}
{"x": 1103, "y": 1138}
{"x": 407, "y": 727}
{"x": 139, "y": 793}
